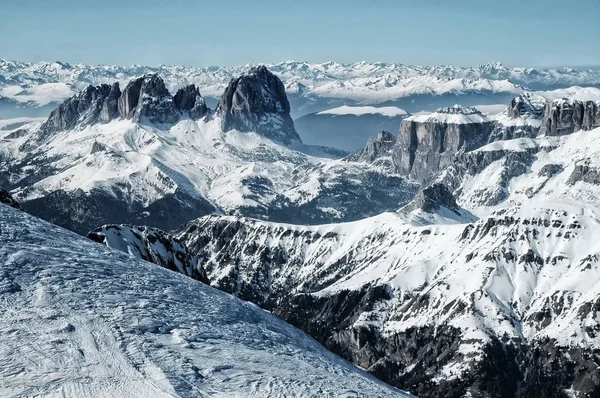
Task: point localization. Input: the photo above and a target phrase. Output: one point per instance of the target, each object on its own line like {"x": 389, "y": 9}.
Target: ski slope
{"x": 80, "y": 320}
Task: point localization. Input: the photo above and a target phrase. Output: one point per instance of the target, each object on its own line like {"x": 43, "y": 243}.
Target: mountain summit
{"x": 256, "y": 101}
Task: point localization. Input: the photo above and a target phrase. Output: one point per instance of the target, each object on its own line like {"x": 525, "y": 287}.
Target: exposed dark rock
{"x": 427, "y": 145}
{"x": 153, "y": 245}
{"x": 432, "y": 198}
{"x": 566, "y": 116}
{"x": 81, "y": 211}
{"x": 83, "y": 108}
{"x": 585, "y": 172}
{"x": 524, "y": 115}
{"x": 7, "y": 199}
{"x": 110, "y": 108}
{"x": 550, "y": 170}
{"x": 526, "y": 105}
{"x": 378, "y": 150}
{"x": 147, "y": 99}
{"x": 188, "y": 99}
{"x": 256, "y": 102}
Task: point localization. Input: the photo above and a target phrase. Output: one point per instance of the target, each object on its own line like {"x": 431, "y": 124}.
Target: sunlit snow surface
{"x": 80, "y": 320}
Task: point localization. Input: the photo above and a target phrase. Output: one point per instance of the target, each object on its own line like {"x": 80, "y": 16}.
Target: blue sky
{"x": 216, "y": 32}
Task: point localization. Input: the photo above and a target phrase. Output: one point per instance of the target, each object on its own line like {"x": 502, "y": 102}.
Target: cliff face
{"x": 256, "y": 102}
{"x": 428, "y": 143}
{"x": 566, "y": 116}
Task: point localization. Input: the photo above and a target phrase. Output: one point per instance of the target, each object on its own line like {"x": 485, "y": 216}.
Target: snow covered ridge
{"x": 418, "y": 305}
{"x": 153, "y": 245}
{"x": 80, "y": 319}
{"x": 370, "y": 82}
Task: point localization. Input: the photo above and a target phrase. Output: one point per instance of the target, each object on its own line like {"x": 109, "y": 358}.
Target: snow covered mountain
{"x": 79, "y": 319}
{"x": 142, "y": 156}
{"x": 505, "y": 306}
{"x": 492, "y": 294}
{"x": 311, "y": 87}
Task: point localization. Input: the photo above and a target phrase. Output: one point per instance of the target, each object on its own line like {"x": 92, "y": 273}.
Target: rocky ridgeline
{"x": 378, "y": 151}
{"x": 145, "y": 99}
{"x": 566, "y": 116}
{"x": 256, "y": 102}
{"x": 152, "y": 245}
{"x": 415, "y": 328}
{"x": 430, "y": 144}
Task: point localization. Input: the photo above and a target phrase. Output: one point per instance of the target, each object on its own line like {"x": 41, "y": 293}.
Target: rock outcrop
{"x": 566, "y": 116}
{"x": 188, "y": 99}
{"x": 377, "y": 151}
{"x": 522, "y": 118}
{"x": 256, "y": 102}
{"x": 7, "y": 199}
{"x": 428, "y": 143}
{"x": 83, "y": 108}
{"x": 145, "y": 99}
{"x": 433, "y": 198}
{"x": 152, "y": 245}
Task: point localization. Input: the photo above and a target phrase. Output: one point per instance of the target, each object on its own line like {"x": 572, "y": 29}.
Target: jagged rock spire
{"x": 145, "y": 99}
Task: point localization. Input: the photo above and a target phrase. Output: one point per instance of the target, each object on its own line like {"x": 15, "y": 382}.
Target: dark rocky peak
{"x": 526, "y": 105}
{"x": 83, "y": 108}
{"x": 147, "y": 99}
{"x": 188, "y": 99}
{"x": 433, "y": 198}
{"x": 256, "y": 102}
{"x": 7, "y": 199}
{"x": 566, "y": 116}
{"x": 376, "y": 148}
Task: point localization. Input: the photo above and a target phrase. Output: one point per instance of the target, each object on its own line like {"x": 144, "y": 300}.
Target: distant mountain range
{"x": 311, "y": 87}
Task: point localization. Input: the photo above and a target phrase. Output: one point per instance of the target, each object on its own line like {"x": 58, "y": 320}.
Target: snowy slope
{"x": 81, "y": 320}
{"x": 507, "y": 173}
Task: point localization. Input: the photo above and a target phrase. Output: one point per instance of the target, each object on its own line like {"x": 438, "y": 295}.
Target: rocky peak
{"x": 526, "y": 105}
{"x": 257, "y": 102}
{"x": 83, "y": 107}
{"x": 376, "y": 149}
{"x": 145, "y": 99}
{"x": 188, "y": 99}
{"x": 7, "y": 199}
{"x": 566, "y": 116}
{"x": 521, "y": 119}
{"x": 433, "y": 198}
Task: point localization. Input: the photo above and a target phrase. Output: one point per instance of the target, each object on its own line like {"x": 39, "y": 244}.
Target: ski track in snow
{"x": 81, "y": 320}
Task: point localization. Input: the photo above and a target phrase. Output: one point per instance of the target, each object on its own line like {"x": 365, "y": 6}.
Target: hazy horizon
{"x": 534, "y": 33}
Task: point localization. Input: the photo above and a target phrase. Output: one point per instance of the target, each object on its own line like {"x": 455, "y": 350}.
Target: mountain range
{"x": 455, "y": 256}
{"x": 35, "y": 88}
